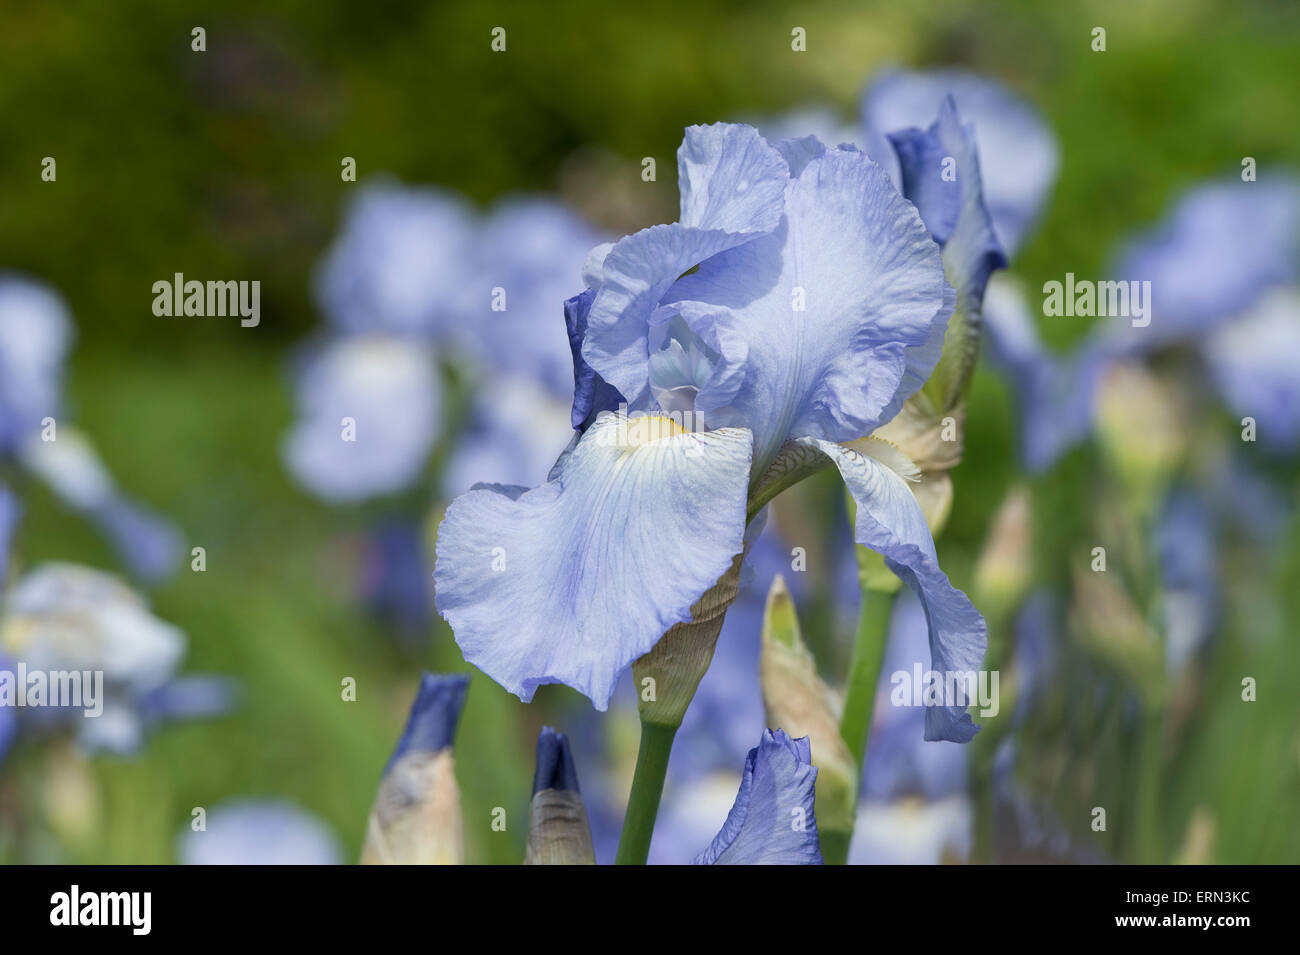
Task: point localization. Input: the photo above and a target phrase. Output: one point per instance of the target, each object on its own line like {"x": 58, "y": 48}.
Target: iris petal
{"x": 732, "y": 184}
{"x": 836, "y": 307}
{"x": 953, "y": 209}
{"x": 772, "y": 821}
{"x": 571, "y": 581}
{"x": 890, "y": 522}
{"x": 1020, "y": 154}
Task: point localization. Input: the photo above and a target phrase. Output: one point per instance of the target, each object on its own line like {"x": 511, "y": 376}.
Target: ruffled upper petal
{"x": 772, "y": 821}
{"x": 890, "y": 522}
{"x": 835, "y": 309}
{"x": 572, "y": 581}
{"x": 731, "y": 184}
{"x": 1019, "y": 153}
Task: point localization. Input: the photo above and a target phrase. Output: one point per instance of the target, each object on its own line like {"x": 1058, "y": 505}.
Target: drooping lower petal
{"x": 573, "y": 580}
{"x": 890, "y": 522}
{"x": 772, "y": 821}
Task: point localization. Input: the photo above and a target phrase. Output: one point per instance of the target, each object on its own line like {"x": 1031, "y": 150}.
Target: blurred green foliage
{"x": 226, "y": 164}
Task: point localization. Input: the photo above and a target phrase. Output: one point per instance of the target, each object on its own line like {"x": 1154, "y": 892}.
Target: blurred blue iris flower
{"x": 415, "y": 280}
{"x": 798, "y": 302}
{"x": 64, "y": 617}
{"x": 259, "y": 832}
{"x": 36, "y": 333}
{"x": 418, "y": 283}
{"x": 1223, "y": 267}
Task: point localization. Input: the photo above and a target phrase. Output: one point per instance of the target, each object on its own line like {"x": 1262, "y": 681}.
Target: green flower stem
{"x": 835, "y": 845}
{"x": 864, "y": 670}
{"x": 1150, "y": 776}
{"x": 999, "y": 619}
{"x": 647, "y": 788}
{"x": 860, "y": 698}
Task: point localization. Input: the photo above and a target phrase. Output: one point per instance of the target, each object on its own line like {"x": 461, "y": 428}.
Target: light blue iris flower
{"x": 772, "y": 820}
{"x": 259, "y": 832}
{"x": 1018, "y": 153}
{"x": 36, "y": 333}
{"x": 796, "y": 305}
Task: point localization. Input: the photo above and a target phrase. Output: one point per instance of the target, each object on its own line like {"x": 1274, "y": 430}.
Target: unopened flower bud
{"x": 799, "y": 702}
{"x": 558, "y": 830}
{"x": 416, "y": 816}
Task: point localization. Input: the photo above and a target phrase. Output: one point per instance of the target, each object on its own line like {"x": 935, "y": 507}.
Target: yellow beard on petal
{"x": 645, "y": 429}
